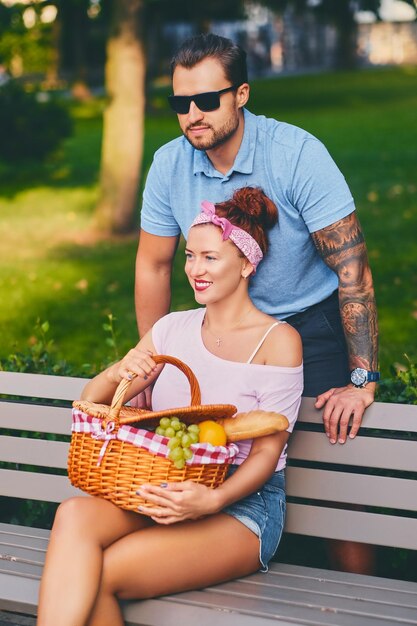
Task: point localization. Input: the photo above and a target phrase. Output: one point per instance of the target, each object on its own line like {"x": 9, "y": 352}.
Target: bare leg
{"x": 170, "y": 559}
{"x": 84, "y": 527}
{"x": 349, "y": 556}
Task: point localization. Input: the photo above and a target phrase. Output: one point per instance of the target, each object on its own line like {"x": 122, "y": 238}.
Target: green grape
{"x": 179, "y": 434}
{"x": 186, "y": 441}
{"x": 188, "y": 454}
{"x": 194, "y": 428}
{"x": 160, "y": 431}
{"x": 170, "y": 432}
{"x": 179, "y": 464}
{"x": 175, "y": 425}
{"x": 183, "y": 426}
{"x": 174, "y": 442}
{"x": 176, "y": 454}
{"x": 164, "y": 422}
{"x": 194, "y": 437}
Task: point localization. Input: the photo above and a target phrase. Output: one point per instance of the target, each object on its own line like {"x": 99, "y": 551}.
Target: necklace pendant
{"x": 218, "y": 341}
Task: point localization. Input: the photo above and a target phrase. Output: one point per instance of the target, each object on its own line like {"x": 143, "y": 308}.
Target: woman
{"x": 99, "y": 553}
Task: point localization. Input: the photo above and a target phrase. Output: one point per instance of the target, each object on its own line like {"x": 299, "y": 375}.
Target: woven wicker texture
{"x": 125, "y": 467}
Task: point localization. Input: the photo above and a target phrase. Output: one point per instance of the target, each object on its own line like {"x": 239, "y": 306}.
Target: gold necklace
{"x": 216, "y": 337}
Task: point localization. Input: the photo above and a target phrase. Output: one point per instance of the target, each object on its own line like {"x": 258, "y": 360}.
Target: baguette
{"x": 253, "y": 424}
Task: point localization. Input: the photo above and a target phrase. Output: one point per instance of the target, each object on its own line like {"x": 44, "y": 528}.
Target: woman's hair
{"x": 231, "y": 57}
{"x": 250, "y": 209}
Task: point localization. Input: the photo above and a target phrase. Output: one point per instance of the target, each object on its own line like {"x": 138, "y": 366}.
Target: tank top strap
{"x": 252, "y": 356}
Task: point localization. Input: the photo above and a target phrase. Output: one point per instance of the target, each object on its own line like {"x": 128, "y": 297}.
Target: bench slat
{"x": 41, "y": 386}
{"x": 407, "y": 589}
{"x": 390, "y": 606}
{"x": 381, "y": 491}
{"x": 34, "y": 486}
{"x": 335, "y": 583}
{"x": 394, "y": 454}
{"x": 35, "y": 418}
{"x": 34, "y": 451}
{"x": 372, "y": 528}
{"x": 381, "y": 415}
{"x": 302, "y": 610}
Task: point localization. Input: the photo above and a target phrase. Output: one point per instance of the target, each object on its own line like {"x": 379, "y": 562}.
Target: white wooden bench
{"x": 325, "y": 485}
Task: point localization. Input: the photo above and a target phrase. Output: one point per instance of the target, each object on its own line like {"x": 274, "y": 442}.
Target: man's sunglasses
{"x": 209, "y": 101}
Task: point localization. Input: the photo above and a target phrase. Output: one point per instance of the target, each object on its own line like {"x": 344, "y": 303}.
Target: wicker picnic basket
{"x": 103, "y": 462}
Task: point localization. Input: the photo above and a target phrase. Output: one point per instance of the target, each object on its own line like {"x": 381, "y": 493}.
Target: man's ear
{"x": 242, "y": 95}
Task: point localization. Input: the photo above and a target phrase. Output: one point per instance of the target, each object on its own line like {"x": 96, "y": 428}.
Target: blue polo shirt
{"x": 294, "y": 169}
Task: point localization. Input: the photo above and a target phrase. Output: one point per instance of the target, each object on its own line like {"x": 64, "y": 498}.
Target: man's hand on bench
{"x": 340, "y": 405}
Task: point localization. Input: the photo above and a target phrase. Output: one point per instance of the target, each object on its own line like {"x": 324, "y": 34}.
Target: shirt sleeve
{"x": 156, "y": 214}
{"x": 282, "y": 393}
{"x": 320, "y": 192}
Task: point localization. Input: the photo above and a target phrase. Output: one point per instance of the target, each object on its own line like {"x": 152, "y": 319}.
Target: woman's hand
{"x": 176, "y": 502}
{"x": 136, "y": 363}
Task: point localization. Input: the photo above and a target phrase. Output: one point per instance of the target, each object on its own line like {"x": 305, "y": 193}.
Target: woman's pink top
{"x": 246, "y": 385}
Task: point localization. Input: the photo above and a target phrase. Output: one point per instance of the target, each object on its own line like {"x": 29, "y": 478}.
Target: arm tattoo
{"x": 342, "y": 247}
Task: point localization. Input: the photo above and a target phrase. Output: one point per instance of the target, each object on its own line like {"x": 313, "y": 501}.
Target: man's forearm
{"x": 360, "y": 324}
{"x": 343, "y": 249}
{"x": 154, "y": 261}
{"x": 359, "y": 320}
{"x": 152, "y": 298}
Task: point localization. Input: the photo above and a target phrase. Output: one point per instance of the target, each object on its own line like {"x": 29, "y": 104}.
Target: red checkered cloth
{"x": 156, "y": 444}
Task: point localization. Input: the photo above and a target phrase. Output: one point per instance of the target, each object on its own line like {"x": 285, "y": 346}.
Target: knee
{"x": 71, "y": 514}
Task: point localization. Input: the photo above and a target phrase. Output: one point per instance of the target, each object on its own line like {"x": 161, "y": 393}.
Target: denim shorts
{"x": 263, "y": 512}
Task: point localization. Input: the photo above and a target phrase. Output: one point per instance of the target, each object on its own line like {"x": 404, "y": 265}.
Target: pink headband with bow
{"x": 242, "y": 239}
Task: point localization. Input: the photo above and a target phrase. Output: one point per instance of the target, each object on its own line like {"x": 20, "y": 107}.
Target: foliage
{"x": 39, "y": 358}
{"x": 30, "y": 128}
{"x": 401, "y": 387}
{"x": 53, "y": 267}
{"x": 41, "y": 355}
{"x": 24, "y": 49}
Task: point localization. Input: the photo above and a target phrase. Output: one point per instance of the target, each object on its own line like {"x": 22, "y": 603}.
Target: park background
{"x": 83, "y": 87}
{"x": 83, "y": 108}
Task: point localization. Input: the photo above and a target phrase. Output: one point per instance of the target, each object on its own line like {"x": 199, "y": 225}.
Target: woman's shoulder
{"x": 282, "y": 346}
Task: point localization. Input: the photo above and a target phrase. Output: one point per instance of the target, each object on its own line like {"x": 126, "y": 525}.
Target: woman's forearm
{"x": 254, "y": 471}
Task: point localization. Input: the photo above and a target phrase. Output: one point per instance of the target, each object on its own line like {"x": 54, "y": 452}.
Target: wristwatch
{"x": 360, "y": 377}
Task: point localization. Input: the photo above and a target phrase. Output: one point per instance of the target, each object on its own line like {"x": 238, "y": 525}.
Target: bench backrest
{"x": 364, "y": 490}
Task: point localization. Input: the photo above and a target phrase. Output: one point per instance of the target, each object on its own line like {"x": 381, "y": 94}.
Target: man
{"x": 316, "y": 275}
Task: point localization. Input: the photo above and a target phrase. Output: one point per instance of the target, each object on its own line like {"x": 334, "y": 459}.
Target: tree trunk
{"x": 346, "y": 50}
{"x": 123, "y": 128}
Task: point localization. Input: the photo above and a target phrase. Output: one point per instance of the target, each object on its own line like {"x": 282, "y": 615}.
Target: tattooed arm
{"x": 342, "y": 247}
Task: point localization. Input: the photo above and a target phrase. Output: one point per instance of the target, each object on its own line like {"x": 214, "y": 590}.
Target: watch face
{"x": 358, "y": 376}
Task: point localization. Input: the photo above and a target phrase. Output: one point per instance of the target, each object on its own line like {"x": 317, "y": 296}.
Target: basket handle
{"x": 123, "y": 386}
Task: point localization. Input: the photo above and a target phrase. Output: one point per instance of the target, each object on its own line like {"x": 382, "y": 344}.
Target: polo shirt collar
{"x": 244, "y": 158}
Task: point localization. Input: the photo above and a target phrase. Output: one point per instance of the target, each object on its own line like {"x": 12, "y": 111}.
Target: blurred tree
{"x": 122, "y": 145}
{"x": 339, "y": 12}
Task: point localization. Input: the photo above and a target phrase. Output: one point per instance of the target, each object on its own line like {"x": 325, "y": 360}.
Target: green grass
{"x": 52, "y": 267}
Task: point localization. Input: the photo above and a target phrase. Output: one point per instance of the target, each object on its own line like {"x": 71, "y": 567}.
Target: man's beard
{"x": 217, "y": 138}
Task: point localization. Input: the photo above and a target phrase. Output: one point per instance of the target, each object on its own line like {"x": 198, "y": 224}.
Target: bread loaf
{"x": 253, "y": 424}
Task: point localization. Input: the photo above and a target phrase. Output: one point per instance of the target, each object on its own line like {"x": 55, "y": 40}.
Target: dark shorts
{"x": 325, "y": 355}
{"x": 263, "y": 512}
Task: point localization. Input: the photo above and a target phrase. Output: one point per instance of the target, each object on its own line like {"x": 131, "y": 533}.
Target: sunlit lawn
{"x": 53, "y": 268}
